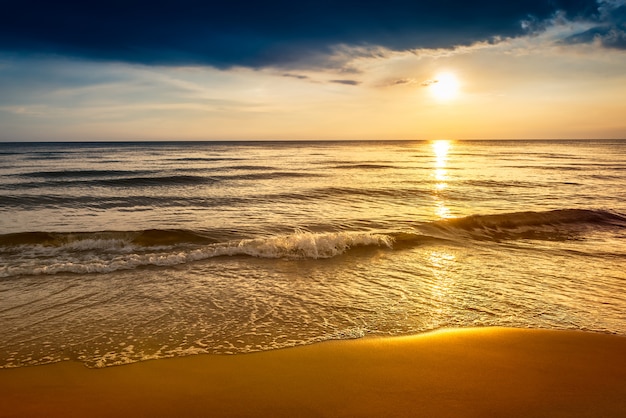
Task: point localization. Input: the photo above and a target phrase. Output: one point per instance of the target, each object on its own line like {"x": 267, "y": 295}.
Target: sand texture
{"x": 486, "y": 372}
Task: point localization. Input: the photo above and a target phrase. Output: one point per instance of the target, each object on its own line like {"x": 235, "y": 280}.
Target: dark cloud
{"x": 401, "y": 81}
{"x": 610, "y": 30}
{"x": 298, "y": 76}
{"x": 259, "y": 34}
{"x": 610, "y": 37}
{"x": 346, "y": 82}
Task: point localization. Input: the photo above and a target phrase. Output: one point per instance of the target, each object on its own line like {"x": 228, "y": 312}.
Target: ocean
{"x": 112, "y": 253}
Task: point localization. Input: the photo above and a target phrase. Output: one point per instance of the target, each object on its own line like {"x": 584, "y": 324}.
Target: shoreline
{"x": 476, "y": 372}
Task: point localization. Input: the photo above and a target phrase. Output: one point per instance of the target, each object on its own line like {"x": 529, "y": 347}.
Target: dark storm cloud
{"x": 259, "y": 34}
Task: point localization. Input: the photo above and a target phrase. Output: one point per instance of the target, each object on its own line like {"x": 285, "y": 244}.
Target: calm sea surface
{"x": 112, "y": 253}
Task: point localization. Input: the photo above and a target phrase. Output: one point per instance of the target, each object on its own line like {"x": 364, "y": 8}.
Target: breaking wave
{"x": 104, "y": 252}
{"x": 37, "y": 253}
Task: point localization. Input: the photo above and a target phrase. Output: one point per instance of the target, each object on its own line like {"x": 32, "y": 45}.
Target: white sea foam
{"x": 303, "y": 244}
{"x": 118, "y": 254}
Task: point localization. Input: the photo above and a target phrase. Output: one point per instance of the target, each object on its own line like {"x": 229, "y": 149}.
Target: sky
{"x": 280, "y": 70}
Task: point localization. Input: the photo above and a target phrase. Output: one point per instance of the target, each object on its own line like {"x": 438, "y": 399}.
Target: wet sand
{"x": 484, "y": 372}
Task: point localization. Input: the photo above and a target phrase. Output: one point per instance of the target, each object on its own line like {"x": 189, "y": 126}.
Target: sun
{"x": 445, "y": 87}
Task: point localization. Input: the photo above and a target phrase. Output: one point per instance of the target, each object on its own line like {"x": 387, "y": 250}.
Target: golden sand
{"x": 487, "y": 372}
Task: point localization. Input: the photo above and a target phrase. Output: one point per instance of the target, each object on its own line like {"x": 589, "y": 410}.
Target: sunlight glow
{"x": 445, "y": 87}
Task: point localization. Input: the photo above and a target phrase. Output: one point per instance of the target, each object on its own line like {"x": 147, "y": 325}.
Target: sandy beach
{"x": 486, "y": 372}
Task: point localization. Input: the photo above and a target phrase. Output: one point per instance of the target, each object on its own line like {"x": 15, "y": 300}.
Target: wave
{"x": 71, "y": 174}
{"x": 130, "y": 203}
{"x": 559, "y": 224}
{"x": 495, "y": 183}
{"x": 104, "y": 252}
{"x": 150, "y": 237}
{"x": 248, "y": 168}
{"x": 205, "y": 159}
{"x": 180, "y": 180}
{"x": 400, "y": 192}
{"x": 269, "y": 175}
{"x": 117, "y": 179}
{"x": 362, "y": 166}
{"x": 36, "y": 253}
{"x": 552, "y": 217}
{"x": 78, "y": 180}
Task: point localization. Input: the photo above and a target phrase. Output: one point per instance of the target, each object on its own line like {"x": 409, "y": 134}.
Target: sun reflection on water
{"x": 441, "y": 263}
{"x": 441, "y": 210}
{"x": 440, "y": 149}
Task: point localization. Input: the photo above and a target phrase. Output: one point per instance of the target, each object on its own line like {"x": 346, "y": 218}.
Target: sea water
{"x": 112, "y": 253}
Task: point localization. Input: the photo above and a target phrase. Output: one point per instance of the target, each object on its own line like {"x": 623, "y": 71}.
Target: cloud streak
{"x": 346, "y": 82}
{"x": 428, "y": 83}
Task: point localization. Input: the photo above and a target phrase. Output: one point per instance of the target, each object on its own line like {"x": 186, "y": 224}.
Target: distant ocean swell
{"x": 120, "y": 179}
{"x": 37, "y": 253}
{"x": 207, "y": 176}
